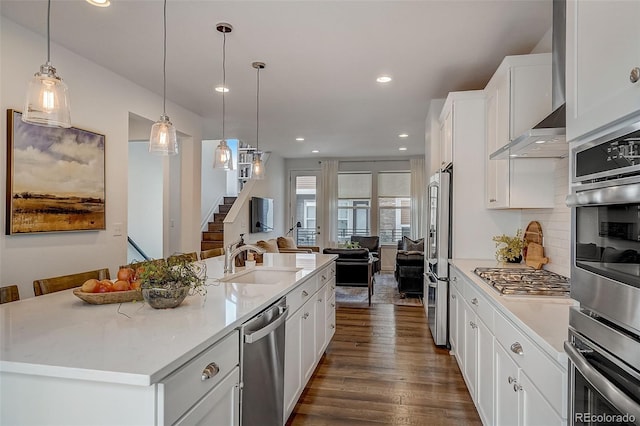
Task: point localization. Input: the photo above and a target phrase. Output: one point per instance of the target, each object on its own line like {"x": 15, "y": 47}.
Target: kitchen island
{"x": 63, "y": 361}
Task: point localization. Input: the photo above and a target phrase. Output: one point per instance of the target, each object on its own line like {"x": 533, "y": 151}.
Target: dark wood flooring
{"x": 382, "y": 368}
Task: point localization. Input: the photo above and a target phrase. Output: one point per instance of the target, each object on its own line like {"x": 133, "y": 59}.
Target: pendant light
{"x": 47, "y": 102}
{"x": 163, "y": 140}
{"x": 257, "y": 168}
{"x": 222, "y": 157}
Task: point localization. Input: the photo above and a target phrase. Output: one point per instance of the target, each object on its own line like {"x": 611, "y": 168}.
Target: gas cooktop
{"x": 525, "y": 281}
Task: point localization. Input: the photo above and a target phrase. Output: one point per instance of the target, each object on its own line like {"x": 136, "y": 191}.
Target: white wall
{"x": 214, "y": 181}
{"x": 145, "y": 200}
{"x": 273, "y": 186}
{"x": 556, "y": 223}
{"x": 100, "y": 101}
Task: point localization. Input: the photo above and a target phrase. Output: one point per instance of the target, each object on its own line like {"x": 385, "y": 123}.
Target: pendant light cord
{"x": 164, "y": 63}
{"x": 224, "y": 77}
{"x": 48, "y": 33}
{"x": 257, "y": 108}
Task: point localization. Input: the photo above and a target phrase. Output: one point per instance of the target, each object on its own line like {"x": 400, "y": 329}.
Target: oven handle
{"x": 612, "y": 394}
{"x": 620, "y": 194}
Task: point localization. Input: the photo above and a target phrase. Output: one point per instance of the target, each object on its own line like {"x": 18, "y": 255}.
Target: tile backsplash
{"x": 556, "y": 223}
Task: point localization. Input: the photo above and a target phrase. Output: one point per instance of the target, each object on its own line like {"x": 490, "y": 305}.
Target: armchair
{"x": 354, "y": 267}
{"x": 372, "y": 243}
{"x": 410, "y": 266}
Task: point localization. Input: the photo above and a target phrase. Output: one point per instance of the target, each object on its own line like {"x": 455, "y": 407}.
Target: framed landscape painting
{"x": 55, "y": 178}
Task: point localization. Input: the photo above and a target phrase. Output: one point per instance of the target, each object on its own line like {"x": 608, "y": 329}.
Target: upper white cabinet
{"x": 446, "y": 134}
{"x": 602, "y": 52}
{"x": 432, "y": 139}
{"x": 518, "y": 97}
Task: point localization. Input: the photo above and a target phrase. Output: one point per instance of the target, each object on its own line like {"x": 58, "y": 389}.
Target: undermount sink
{"x": 262, "y": 275}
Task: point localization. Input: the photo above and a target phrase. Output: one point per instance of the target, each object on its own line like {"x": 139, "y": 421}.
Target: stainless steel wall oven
{"x": 604, "y": 337}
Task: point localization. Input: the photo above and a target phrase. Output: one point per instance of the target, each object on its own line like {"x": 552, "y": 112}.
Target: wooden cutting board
{"x": 535, "y": 256}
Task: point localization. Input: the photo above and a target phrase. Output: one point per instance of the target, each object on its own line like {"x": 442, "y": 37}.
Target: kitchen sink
{"x": 261, "y": 275}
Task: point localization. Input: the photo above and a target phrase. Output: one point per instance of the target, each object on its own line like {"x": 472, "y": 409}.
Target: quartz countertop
{"x": 59, "y": 335}
{"x": 545, "y": 320}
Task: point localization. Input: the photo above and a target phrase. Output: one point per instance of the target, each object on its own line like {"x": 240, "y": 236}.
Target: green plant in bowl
{"x": 509, "y": 247}
{"x": 166, "y": 286}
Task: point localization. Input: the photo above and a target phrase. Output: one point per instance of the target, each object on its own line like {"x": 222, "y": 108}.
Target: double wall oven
{"x": 604, "y": 332}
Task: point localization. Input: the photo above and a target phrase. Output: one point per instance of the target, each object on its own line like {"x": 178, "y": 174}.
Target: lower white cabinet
{"x": 308, "y": 331}
{"x": 510, "y": 380}
{"x": 518, "y": 400}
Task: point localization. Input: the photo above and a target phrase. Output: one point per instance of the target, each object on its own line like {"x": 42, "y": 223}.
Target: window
{"x": 354, "y": 205}
{"x": 394, "y": 206}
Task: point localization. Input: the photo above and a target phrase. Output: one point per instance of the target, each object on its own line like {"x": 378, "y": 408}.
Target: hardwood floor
{"x": 382, "y": 368}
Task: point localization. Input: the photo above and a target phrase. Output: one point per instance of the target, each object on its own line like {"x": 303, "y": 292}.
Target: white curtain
{"x": 329, "y": 230}
{"x": 418, "y": 198}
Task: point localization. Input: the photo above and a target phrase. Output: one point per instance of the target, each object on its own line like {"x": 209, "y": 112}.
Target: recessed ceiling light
{"x": 383, "y": 79}
{"x": 402, "y": 148}
{"x": 222, "y": 89}
{"x": 403, "y": 135}
{"x": 540, "y": 141}
{"x": 315, "y": 151}
{"x": 513, "y": 155}
{"x": 299, "y": 139}
{"x": 99, "y": 3}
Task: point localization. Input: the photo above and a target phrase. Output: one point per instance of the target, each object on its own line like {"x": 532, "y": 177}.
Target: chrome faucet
{"x": 230, "y": 254}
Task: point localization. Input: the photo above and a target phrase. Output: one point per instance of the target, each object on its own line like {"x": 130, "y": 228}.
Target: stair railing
{"x": 137, "y": 248}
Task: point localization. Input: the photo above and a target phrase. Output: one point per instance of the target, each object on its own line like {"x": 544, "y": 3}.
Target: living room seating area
{"x": 410, "y": 266}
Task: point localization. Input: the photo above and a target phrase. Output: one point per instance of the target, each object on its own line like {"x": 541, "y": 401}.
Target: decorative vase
{"x": 515, "y": 259}
{"x": 163, "y": 298}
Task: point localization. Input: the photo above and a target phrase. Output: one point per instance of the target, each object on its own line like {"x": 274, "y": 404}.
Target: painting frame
{"x": 55, "y": 178}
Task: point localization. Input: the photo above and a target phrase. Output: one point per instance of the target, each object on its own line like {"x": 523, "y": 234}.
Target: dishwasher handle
{"x": 259, "y": 334}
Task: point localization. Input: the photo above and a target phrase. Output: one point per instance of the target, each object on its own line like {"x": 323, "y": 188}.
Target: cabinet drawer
{"x": 479, "y": 304}
{"x": 184, "y": 387}
{"x": 324, "y": 276}
{"x": 547, "y": 376}
{"x": 298, "y": 296}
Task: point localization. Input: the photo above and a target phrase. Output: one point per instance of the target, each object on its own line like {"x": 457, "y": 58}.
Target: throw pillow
{"x": 410, "y": 245}
{"x": 270, "y": 246}
{"x": 286, "y": 243}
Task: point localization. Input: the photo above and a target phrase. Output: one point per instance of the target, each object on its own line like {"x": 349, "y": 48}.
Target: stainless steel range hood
{"x": 547, "y": 139}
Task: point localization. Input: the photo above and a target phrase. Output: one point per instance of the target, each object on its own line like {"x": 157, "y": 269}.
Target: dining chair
{"x": 51, "y": 285}
{"x": 186, "y": 257}
{"x": 205, "y": 254}
{"x": 9, "y": 293}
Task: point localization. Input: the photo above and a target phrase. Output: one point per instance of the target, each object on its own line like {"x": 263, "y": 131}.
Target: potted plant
{"x": 509, "y": 248}
{"x": 166, "y": 286}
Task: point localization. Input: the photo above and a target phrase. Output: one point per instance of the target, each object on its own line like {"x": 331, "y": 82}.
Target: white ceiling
{"x": 322, "y": 60}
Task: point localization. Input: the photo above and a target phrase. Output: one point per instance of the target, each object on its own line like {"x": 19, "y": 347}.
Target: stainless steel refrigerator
{"x": 437, "y": 257}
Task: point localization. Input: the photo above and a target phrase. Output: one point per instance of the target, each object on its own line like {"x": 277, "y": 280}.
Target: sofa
{"x": 354, "y": 267}
{"x": 372, "y": 243}
{"x": 410, "y": 267}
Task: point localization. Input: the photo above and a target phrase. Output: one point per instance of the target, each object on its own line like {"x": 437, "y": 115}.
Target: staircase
{"x": 213, "y": 237}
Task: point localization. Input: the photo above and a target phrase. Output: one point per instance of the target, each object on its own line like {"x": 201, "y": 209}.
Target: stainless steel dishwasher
{"x": 262, "y": 397}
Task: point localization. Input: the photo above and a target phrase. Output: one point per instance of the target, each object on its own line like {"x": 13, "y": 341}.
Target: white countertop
{"x": 59, "y": 335}
{"x": 545, "y": 320}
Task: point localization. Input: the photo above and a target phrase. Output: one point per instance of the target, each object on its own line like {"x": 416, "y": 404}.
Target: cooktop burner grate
{"x": 525, "y": 281}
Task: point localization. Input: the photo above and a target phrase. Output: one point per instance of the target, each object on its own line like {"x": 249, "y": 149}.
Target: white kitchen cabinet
{"x": 518, "y": 400}
{"x": 599, "y": 63}
{"x": 485, "y": 393}
{"x": 470, "y": 359}
{"x": 220, "y": 407}
{"x": 454, "y": 297}
{"x": 308, "y": 330}
{"x": 518, "y": 97}
{"x": 460, "y": 331}
{"x": 432, "y": 139}
{"x": 446, "y": 135}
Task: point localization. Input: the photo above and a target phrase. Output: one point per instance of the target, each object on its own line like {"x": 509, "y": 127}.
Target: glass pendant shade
{"x": 222, "y": 157}
{"x": 47, "y": 101}
{"x": 257, "y": 167}
{"x": 163, "y": 140}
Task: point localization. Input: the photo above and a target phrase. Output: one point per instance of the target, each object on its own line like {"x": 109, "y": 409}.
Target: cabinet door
{"x": 484, "y": 391}
{"x": 498, "y": 130}
{"x": 506, "y": 396}
{"x": 599, "y": 62}
{"x": 330, "y": 320}
{"x": 460, "y": 330}
{"x": 535, "y": 408}
{"x": 221, "y": 406}
{"x": 321, "y": 321}
{"x": 453, "y": 319}
{"x": 292, "y": 361}
{"x": 308, "y": 327}
{"x": 470, "y": 350}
